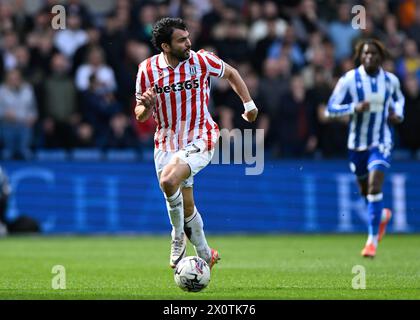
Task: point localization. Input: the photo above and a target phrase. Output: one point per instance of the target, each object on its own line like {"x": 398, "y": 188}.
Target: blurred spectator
{"x": 135, "y": 53}
{"x": 202, "y": 6}
{"x": 260, "y": 52}
{"x": 376, "y": 11}
{"x": 70, "y": 39}
{"x": 75, "y": 7}
{"x": 306, "y": 21}
{"x": 22, "y": 21}
{"x": 141, "y": 29}
{"x": 18, "y": 113}
{"x": 191, "y": 18}
{"x": 288, "y": 46}
{"x": 331, "y": 132}
{"x": 327, "y": 9}
{"x": 392, "y": 38}
{"x": 121, "y": 135}
{"x": 211, "y": 19}
{"x": 319, "y": 57}
{"x": 84, "y": 136}
{"x": 410, "y": 61}
{"x": 30, "y": 72}
{"x": 388, "y": 65}
{"x": 261, "y": 28}
{"x": 42, "y": 24}
{"x": 42, "y": 52}
{"x": 413, "y": 30}
{"x": 274, "y": 83}
{"x": 48, "y": 6}
{"x": 162, "y": 8}
{"x": 342, "y": 33}
{"x": 294, "y": 125}
{"x": 6, "y": 17}
{"x": 60, "y": 111}
{"x": 406, "y": 13}
{"x": 9, "y": 44}
{"x": 252, "y": 11}
{"x": 98, "y": 107}
{"x": 230, "y": 37}
{"x": 95, "y": 65}
{"x": 81, "y": 54}
{"x": 113, "y": 39}
{"x": 409, "y": 129}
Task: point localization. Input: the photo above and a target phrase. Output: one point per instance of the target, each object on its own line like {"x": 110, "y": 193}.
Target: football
{"x": 192, "y": 274}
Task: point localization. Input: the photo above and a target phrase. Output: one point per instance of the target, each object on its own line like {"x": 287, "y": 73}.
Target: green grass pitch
{"x": 252, "y": 267}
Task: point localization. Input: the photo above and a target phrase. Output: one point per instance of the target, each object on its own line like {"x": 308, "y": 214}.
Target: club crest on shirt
{"x": 193, "y": 70}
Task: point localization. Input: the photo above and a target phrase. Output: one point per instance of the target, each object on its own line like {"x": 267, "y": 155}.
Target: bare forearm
{"x": 145, "y": 103}
{"x": 238, "y": 85}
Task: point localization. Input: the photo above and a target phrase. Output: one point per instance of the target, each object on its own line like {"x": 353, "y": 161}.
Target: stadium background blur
{"x": 74, "y": 110}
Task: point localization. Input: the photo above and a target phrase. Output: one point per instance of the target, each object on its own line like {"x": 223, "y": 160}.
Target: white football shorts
{"x": 195, "y": 154}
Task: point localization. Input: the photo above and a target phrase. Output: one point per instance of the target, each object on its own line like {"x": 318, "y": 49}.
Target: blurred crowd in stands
{"x": 74, "y": 88}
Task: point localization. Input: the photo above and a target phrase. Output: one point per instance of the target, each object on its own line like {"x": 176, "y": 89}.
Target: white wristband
{"x": 250, "y": 105}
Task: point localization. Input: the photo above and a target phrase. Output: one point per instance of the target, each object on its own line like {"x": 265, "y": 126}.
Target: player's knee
{"x": 168, "y": 183}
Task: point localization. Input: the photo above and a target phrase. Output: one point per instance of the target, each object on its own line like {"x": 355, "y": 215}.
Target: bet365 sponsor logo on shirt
{"x": 185, "y": 85}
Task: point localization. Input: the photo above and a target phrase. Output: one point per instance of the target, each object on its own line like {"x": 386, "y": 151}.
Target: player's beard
{"x": 181, "y": 55}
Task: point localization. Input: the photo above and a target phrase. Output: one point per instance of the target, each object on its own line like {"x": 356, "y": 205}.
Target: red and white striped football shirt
{"x": 181, "y": 110}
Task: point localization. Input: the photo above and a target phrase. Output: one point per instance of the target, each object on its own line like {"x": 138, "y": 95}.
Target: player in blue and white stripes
{"x": 373, "y": 99}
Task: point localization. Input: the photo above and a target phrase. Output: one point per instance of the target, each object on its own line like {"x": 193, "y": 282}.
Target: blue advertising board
{"x": 289, "y": 196}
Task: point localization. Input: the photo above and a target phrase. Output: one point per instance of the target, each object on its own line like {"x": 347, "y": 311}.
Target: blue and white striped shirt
{"x": 367, "y": 129}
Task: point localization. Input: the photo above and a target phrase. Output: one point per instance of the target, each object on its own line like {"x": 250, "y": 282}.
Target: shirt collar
{"x": 163, "y": 64}
{"x": 162, "y": 61}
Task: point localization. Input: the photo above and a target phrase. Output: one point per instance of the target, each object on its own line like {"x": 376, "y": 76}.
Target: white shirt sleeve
{"x": 341, "y": 102}
{"x": 142, "y": 82}
{"x": 215, "y": 65}
{"x": 398, "y": 100}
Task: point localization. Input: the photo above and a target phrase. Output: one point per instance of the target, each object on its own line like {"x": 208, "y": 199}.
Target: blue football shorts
{"x": 376, "y": 158}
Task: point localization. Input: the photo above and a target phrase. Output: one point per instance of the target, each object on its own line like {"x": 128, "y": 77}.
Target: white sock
{"x": 372, "y": 239}
{"x": 197, "y": 236}
{"x": 175, "y": 206}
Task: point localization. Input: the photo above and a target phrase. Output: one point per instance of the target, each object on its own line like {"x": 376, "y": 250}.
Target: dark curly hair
{"x": 359, "y": 47}
{"x": 163, "y": 29}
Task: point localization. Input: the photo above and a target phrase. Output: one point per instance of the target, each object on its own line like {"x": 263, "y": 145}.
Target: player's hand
{"x": 250, "y": 116}
{"x": 148, "y": 98}
{"x": 362, "y": 107}
{"x": 393, "y": 118}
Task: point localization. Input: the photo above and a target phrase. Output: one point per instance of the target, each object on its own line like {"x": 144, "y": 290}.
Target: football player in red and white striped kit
{"x": 174, "y": 86}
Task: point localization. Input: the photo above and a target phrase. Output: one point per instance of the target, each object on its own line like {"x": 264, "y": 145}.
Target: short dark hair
{"x": 359, "y": 47}
{"x": 163, "y": 29}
